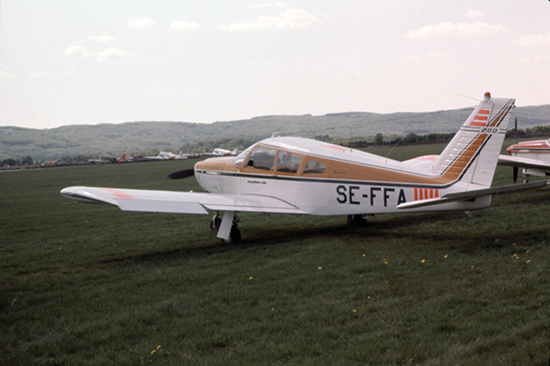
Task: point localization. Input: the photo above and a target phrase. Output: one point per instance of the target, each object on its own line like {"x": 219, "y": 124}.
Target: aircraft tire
{"x": 234, "y": 236}
{"x": 357, "y": 220}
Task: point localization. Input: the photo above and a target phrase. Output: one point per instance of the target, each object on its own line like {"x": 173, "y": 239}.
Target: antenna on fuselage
{"x": 275, "y": 134}
{"x": 466, "y": 96}
{"x": 394, "y": 146}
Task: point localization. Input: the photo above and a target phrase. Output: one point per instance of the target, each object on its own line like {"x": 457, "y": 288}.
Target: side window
{"x": 287, "y": 162}
{"x": 262, "y": 158}
{"x": 314, "y": 167}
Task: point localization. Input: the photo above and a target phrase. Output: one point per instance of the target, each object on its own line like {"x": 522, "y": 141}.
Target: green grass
{"x": 90, "y": 285}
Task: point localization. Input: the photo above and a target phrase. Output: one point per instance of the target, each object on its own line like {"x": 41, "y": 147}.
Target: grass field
{"x": 91, "y": 285}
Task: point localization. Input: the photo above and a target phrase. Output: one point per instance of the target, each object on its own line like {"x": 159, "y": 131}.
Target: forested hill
{"x": 133, "y": 137}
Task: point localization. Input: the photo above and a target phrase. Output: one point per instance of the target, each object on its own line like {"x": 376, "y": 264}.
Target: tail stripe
{"x": 481, "y": 118}
{"x": 425, "y": 193}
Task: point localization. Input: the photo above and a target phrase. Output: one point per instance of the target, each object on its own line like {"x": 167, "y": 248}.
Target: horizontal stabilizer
{"x": 468, "y": 195}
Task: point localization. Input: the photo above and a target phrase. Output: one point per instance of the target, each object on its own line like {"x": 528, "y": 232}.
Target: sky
{"x": 65, "y": 62}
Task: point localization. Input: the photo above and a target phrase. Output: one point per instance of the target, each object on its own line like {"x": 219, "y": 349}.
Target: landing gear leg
{"x": 227, "y": 229}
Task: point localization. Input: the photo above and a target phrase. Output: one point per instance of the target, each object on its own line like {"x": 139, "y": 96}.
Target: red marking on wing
{"x": 119, "y": 194}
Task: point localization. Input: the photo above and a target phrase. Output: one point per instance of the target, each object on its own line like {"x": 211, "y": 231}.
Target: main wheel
{"x": 357, "y": 220}
{"x": 234, "y": 235}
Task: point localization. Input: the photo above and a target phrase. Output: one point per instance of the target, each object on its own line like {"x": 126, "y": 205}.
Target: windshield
{"x": 238, "y": 161}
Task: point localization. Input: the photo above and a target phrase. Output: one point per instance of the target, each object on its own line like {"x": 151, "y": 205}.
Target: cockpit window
{"x": 314, "y": 167}
{"x": 238, "y": 161}
{"x": 262, "y": 158}
{"x": 287, "y": 162}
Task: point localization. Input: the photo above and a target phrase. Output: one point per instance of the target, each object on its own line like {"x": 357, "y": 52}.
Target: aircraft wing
{"x": 523, "y": 162}
{"x": 467, "y": 195}
{"x": 178, "y": 202}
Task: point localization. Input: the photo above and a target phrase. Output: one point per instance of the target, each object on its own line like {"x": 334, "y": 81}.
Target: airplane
{"x": 163, "y": 155}
{"x": 222, "y": 152}
{"x": 103, "y": 159}
{"x": 296, "y": 175}
{"x": 533, "y": 156}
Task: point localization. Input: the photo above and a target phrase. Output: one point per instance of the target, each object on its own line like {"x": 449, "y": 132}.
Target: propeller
{"x": 182, "y": 174}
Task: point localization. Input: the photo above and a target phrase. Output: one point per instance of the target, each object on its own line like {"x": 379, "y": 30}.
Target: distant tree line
{"x": 27, "y": 160}
{"x": 241, "y": 143}
{"x": 536, "y": 131}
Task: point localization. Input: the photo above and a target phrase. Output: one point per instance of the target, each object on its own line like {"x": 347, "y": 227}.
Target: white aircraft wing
{"x": 523, "y": 162}
{"x": 468, "y": 195}
{"x": 178, "y": 202}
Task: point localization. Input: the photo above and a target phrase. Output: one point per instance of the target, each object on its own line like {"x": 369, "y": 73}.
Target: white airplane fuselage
{"x": 328, "y": 179}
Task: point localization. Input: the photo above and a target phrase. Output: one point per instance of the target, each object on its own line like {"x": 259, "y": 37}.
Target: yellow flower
{"x": 153, "y": 351}
{"x": 528, "y": 261}
{"x": 320, "y": 268}
{"x": 423, "y": 261}
{"x": 354, "y": 310}
{"x": 446, "y": 255}
{"x": 158, "y": 347}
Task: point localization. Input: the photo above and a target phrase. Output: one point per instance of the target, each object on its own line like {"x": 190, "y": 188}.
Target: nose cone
{"x": 213, "y": 164}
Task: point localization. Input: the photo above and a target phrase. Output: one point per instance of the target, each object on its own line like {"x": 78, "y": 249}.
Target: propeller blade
{"x": 515, "y": 174}
{"x": 182, "y": 174}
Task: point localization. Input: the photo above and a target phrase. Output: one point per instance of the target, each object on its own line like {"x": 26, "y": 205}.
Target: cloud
{"x": 535, "y": 40}
{"x": 268, "y": 5}
{"x": 78, "y": 52}
{"x": 181, "y": 25}
{"x": 98, "y": 39}
{"x": 289, "y": 18}
{"x": 142, "y": 23}
{"x": 113, "y": 55}
{"x": 38, "y": 75}
{"x": 447, "y": 29}
{"x": 5, "y": 75}
{"x": 474, "y": 13}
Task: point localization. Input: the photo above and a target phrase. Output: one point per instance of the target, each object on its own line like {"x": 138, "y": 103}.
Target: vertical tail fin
{"x": 472, "y": 155}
